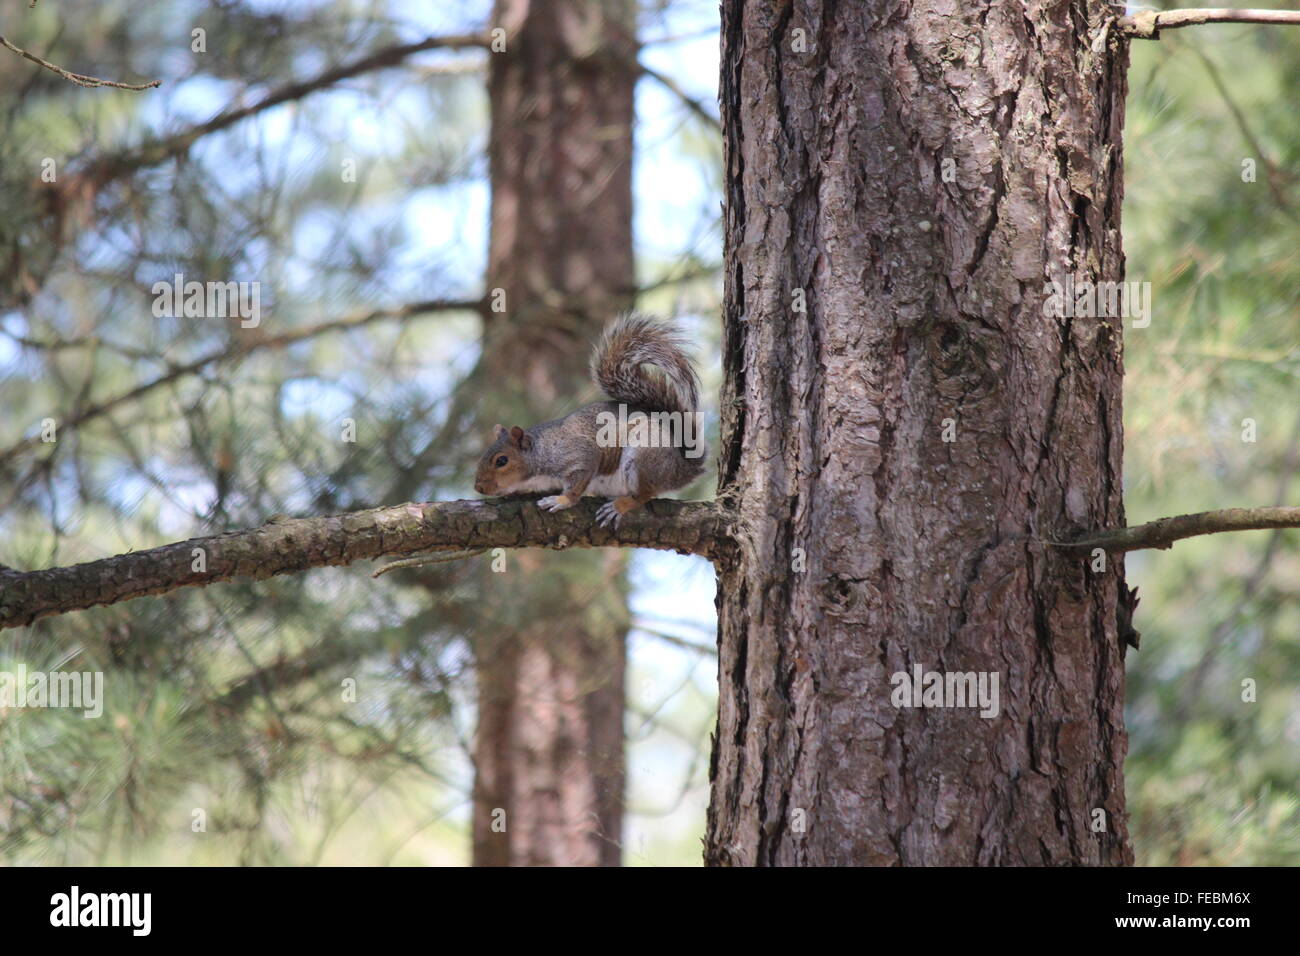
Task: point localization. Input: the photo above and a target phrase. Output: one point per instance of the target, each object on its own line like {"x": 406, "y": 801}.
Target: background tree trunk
{"x": 549, "y": 750}
{"x": 924, "y": 304}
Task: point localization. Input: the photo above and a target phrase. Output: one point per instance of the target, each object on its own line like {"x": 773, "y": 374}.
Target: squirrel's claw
{"x": 607, "y": 516}
{"x": 554, "y": 503}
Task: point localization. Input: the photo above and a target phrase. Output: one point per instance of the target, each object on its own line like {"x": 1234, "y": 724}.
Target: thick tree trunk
{"x": 549, "y": 750}
{"x": 874, "y": 309}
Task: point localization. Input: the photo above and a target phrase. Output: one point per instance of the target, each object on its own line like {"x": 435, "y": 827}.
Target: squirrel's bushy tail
{"x": 634, "y": 341}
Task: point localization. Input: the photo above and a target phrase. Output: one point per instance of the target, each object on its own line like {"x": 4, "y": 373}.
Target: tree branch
{"x": 80, "y": 79}
{"x": 110, "y": 167}
{"x": 1147, "y": 24}
{"x": 1165, "y": 531}
{"x": 285, "y": 545}
{"x": 692, "y": 104}
{"x": 1271, "y": 169}
{"x": 238, "y": 348}
{"x": 79, "y": 186}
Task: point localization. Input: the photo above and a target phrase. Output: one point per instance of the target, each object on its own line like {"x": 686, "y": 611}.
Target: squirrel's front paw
{"x": 554, "y": 503}
{"x": 607, "y": 516}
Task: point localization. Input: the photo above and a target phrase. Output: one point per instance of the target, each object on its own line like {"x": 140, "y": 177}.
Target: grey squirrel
{"x": 604, "y": 449}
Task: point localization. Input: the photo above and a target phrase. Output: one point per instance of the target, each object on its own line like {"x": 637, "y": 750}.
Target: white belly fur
{"x": 619, "y": 482}
{"x": 540, "y": 483}
{"x": 608, "y": 486}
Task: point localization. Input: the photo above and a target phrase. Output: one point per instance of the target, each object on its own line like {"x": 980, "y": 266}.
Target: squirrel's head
{"x": 502, "y": 468}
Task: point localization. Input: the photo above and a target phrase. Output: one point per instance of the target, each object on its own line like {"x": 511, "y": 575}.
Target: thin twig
{"x": 1232, "y": 620}
{"x": 80, "y": 79}
{"x": 692, "y": 104}
{"x": 709, "y": 31}
{"x": 423, "y": 559}
{"x": 154, "y": 152}
{"x": 705, "y": 649}
{"x": 239, "y": 349}
{"x": 1147, "y": 24}
{"x": 1164, "y": 532}
{"x": 1270, "y": 168}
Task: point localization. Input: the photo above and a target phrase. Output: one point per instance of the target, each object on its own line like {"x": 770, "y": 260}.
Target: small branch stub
{"x": 1164, "y": 532}
{"x": 1147, "y": 24}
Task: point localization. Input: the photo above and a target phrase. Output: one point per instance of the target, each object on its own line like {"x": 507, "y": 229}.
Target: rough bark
{"x": 549, "y": 748}
{"x": 287, "y": 545}
{"x": 867, "y": 544}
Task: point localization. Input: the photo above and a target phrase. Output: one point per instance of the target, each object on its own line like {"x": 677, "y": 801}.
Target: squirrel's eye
{"x": 501, "y": 461}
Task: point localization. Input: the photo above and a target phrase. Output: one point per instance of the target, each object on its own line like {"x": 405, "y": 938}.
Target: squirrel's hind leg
{"x": 646, "y": 472}
{"x": 636, "y": 489}
{"x": 609, "y": 514}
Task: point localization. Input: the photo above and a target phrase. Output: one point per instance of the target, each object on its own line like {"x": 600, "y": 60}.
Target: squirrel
{"x": 580, "y": 453}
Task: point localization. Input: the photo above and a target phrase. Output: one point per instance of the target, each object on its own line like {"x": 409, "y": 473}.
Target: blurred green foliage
{"x": 1212, "y": 778}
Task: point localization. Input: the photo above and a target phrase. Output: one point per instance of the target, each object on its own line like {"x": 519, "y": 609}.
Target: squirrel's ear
{"x": 498, "y": 431}
{"x": 520, "y": 438}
